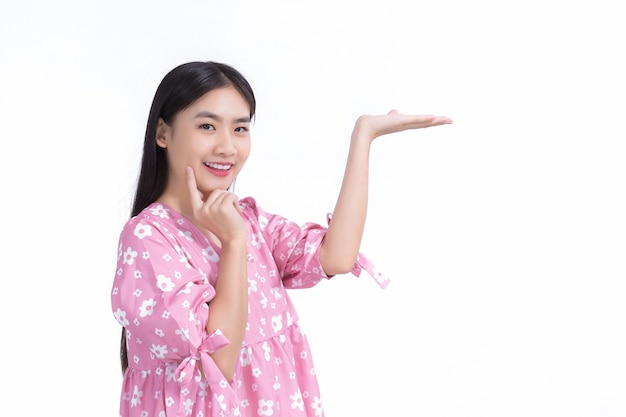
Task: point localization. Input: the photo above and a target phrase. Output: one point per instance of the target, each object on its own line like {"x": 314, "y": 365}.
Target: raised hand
{"x": 343, "y": 238}
{"x": 373, "y": 126}
{"x": 219, "y": 213}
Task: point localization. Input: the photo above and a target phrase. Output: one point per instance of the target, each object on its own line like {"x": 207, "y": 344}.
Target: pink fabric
{"x": 166, "y": 274}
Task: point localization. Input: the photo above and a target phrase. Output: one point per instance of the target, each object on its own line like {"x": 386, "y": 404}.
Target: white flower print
{"x": 256, "y": 372}
{"x": 169, "y": 401}
{"x": 164, "y": 283}
{"x": 220, "y": 401}
{"x": 160, "y": 211}
{"x": 210, "y": 253}
{"x": 186, "y": 289}
{"x": 136, "y": 400}
{"x": 317, "y": 406}
{"x": 296, "y": 282}
{"x": 159, "y": 351}
{"x": 303, "y": 354}
{"x": 263, "y": 222}
{"x": 277, "y": 323}
{"x": 252, "y": 286}
{"x": 183, "y": 333}
{"x": 170, "y": 371}
{"x": 147, "y": 308}
{"x": 137, "y": 274}
{"x": 263, "y": 300}
{"x": 276, "y": 293}
{"x": 266, "y": 408}
{"x": 120, "y": 316}
{"x": 129, "y": 256}
{"x": 188, "y": 404}
{"x": 159, "y": 332}
{"x": 193, "y": 318}
{"x": 145, "y": 255}
{"x": 267, "y": 350}
{"x": 203, "y": 389}
{"x": 257, "y": 240}
{"x": 297, "y": 401}
{"x": 310, "y": 248}
{"x": 142, "y": 230}
{"x": 246, "y": 356}
{"x": 186, "y": 234}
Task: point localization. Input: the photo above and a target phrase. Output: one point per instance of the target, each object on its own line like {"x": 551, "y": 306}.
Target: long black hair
{"x": 180, "y": 88}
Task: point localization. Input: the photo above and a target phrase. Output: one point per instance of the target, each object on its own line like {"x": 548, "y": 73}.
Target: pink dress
{"x": 166, "y": 274}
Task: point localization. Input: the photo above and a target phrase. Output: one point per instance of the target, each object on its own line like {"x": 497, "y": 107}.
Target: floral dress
{"x": 165, "y": 278}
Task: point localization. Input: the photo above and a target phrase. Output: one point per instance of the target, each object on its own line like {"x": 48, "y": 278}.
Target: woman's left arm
{"x": 343, "y": 238}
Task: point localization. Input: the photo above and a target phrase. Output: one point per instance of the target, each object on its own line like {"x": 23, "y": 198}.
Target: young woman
{"x": 201, "y": 279}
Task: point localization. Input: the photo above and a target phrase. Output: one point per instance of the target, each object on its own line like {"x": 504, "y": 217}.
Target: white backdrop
{"x": 503, "y": 234}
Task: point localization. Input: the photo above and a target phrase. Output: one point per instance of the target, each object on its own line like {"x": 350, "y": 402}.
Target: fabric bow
{"x": 226, "y": 400}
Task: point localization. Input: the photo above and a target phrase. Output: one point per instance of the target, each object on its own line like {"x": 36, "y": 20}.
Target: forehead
{"x": 224, "y": 102}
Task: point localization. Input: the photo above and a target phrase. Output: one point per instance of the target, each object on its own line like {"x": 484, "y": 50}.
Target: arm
{"x": 228, "y": 311}
{"x": 219, "y": 217}
{"x": 343, "y": 238}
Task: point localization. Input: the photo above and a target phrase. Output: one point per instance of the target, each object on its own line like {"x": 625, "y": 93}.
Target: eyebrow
{"x": 214, "y": 116}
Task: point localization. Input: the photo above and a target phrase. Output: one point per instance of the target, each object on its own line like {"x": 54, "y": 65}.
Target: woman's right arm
{"x": 220, "y": 215}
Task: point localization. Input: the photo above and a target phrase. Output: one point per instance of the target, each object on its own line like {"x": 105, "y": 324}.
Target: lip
{"x": 219, "y": 172}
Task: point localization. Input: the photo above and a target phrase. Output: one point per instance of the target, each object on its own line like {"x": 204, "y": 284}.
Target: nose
{"x": 225, "y": 145}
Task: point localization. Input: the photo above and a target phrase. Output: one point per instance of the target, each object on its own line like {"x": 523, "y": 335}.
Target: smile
{"x": 221, "y": 167}
{"x": 220, "y": 170}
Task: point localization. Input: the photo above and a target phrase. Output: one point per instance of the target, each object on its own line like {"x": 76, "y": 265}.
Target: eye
{"x": 241, "y": 129}
{"x": 207, "y": 126}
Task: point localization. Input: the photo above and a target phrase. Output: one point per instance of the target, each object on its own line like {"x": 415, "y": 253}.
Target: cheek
{"x": 243, "y": 150}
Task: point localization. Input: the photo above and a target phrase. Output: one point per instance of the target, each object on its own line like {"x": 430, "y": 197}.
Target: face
{"x": 212, "y": 136}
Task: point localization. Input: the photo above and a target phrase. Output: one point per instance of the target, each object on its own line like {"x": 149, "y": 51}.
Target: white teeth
{"x": 217, "y": 166}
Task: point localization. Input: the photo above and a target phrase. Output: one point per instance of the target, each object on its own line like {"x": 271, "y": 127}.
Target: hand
{"x": 220, "y": 213}
{"x": 373, "y": 126}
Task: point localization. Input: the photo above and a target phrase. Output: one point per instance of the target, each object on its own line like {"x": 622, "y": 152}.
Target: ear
{"x": 162, "y": 133}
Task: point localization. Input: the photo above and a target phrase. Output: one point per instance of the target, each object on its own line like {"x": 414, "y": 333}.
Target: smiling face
{"x": 213, "y": 137}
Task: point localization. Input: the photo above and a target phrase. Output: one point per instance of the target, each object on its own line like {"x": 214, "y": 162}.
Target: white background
{"x": 504, "y": 234}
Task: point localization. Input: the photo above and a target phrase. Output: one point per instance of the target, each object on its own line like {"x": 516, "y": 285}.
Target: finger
{"x": 195, "y": 195}
{"x": 219, "y": 200}
{"x": 442, "y": 120}
{"x": 237, "y": 206}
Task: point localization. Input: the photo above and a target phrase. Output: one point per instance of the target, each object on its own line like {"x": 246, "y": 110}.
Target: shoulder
{"x": 156, "y": 219}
